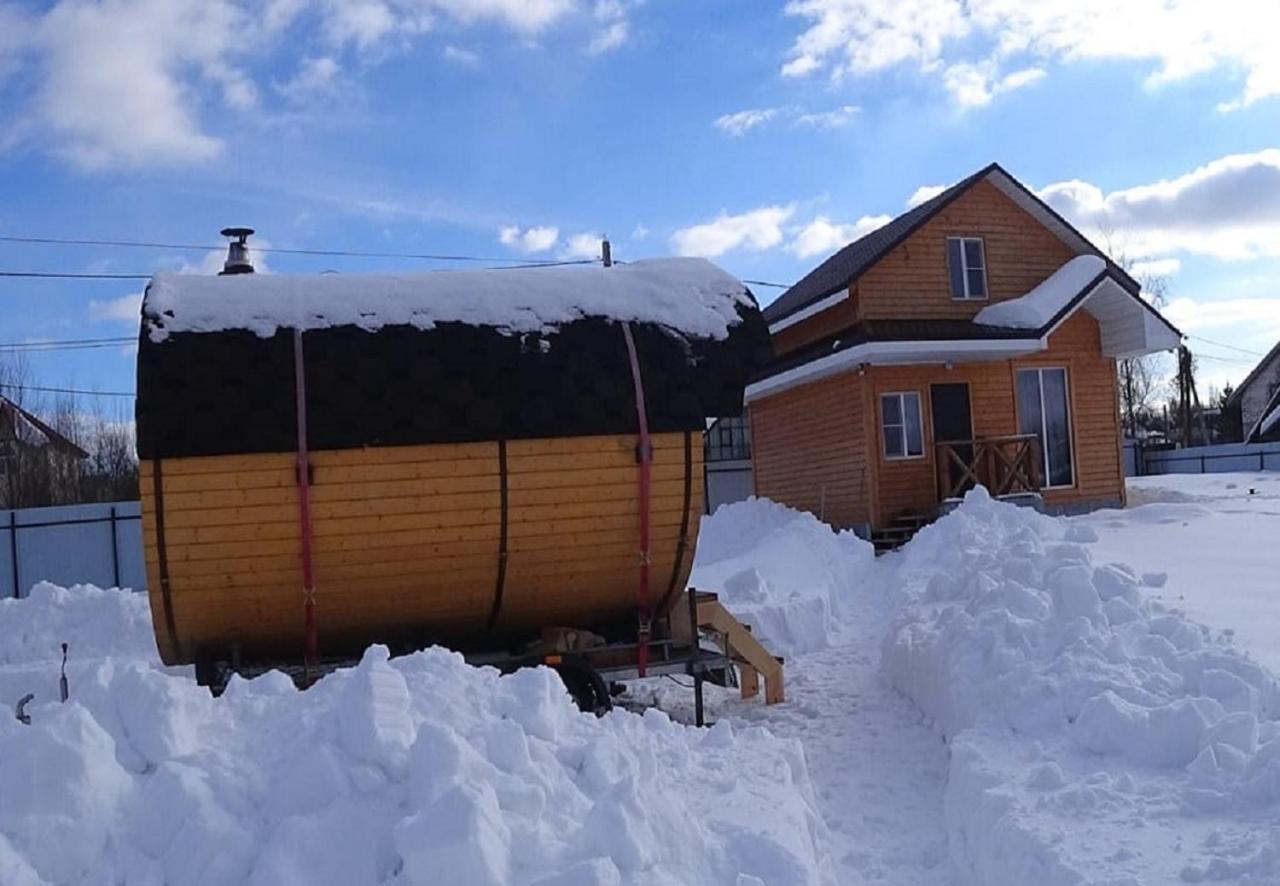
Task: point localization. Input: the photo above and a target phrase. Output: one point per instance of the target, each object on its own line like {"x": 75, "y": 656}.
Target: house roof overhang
{"x": 1129, "y": 327}
{"x": 829, "y": 282}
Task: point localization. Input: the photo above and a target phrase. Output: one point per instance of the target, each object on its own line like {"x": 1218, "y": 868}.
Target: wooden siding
{"x": 835, "y": 318}
{"x": 406, "y": 539}
{"x": 912, "y": 280}
{"x": 809, "y": 449}
{"x": 802, "y": 443}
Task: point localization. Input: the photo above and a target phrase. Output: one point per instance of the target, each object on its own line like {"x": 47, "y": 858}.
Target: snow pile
{"x": 784, "y": 572}
{"x": 1039, "y": 306}
{"x": 689, "y": 295}
{"x": 95, "y": 623}
{"x": 417, "y": 770}
{"x": 1069, "y": 695}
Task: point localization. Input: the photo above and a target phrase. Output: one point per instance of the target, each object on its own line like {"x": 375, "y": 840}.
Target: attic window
{"x": 967, "y": 263}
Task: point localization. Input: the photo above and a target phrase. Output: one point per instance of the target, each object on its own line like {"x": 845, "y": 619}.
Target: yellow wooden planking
{"x": 408, "y": 535}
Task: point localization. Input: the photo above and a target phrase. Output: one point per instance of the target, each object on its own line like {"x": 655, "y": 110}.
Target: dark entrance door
{"x": 953, "y": 423}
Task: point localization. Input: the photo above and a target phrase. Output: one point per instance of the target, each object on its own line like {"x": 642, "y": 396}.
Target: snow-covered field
{"x": 1010, "y": 699}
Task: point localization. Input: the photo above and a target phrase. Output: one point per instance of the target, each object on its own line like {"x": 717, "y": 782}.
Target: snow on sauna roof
{"x": 689, "y": 295}
{"x": 1046, "y": 301}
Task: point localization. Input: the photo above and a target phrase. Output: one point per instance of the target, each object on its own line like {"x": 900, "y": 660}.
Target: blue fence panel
{"x": 72, "y": 544}
{"x": 1217, "y": 459}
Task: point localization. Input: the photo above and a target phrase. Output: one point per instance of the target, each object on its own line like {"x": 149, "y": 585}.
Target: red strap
{"x": 644, "y": 458}
{"x": 304, "y": 505}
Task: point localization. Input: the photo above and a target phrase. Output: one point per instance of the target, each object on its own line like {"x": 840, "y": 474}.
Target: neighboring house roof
{"x": 839, "y": 271}
{"x": 23, "y": 421}
{"x": 1128, "y": 325}
{"x": 1253, "y": 375}
{"x": 1267, "y": 427}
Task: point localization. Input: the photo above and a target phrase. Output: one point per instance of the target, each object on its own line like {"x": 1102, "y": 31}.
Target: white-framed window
{"x": 901, "y": 427}
{"x": 1044, "y": 409}
{"x": 967, "y": 264}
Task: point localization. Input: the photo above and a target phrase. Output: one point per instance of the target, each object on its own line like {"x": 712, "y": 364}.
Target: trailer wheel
{"x": 587, "y": 688}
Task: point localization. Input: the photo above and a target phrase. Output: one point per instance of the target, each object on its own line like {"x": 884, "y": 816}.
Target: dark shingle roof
{"x": 1253, "y": 374}
{"x": 841, "y": 269}
{"x": 845, "y": 266}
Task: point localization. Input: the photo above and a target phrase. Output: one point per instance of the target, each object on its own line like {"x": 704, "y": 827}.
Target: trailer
{"x": 507, "y": 463}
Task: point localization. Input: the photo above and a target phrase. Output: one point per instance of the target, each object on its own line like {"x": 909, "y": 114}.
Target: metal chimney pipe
{"x": 237, "y": 252}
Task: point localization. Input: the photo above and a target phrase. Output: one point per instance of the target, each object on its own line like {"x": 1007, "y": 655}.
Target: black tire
{"x": 586, "y": 687}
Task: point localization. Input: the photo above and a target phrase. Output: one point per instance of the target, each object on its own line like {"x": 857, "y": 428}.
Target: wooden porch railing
{"x": 1004, "y": 465}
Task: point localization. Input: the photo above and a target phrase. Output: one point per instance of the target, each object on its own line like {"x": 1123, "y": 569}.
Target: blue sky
{"x": 762, "y": 134}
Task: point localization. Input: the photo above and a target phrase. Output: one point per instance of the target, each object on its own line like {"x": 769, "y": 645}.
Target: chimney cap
{"x": 237, "y": 252}
{"x": 239, "y": 233}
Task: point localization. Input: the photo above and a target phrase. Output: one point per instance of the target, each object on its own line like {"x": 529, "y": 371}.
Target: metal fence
{"x": 97, "y": 544}
{"x": 1216, "y": 459}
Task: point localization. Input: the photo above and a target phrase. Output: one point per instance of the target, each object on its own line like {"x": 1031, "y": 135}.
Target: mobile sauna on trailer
{"x": 506, "y": 462}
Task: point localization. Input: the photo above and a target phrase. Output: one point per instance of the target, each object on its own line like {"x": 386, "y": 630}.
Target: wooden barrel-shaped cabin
{"x": 453, "y": 454}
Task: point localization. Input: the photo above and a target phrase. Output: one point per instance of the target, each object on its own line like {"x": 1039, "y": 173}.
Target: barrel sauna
{"x": 466, "y": 444}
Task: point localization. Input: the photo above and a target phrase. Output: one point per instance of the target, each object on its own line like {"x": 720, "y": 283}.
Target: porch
{"x": 1009, "y": 467}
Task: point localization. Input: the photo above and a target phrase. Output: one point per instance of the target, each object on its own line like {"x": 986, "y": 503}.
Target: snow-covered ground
{"x": 1209, "y": 544}
{"x": 1010, "y": 699}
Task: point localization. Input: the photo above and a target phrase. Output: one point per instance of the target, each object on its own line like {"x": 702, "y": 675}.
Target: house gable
{"x": 912, "y": 280}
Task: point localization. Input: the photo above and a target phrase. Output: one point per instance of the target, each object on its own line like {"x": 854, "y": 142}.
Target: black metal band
{"x": 502, "y": 535}
{"x": 162, "y": 557}
{"x": 682, "y": 543}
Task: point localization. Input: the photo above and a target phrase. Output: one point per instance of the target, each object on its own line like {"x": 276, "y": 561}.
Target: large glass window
{"x": 901, "y": 427}
{"x": 1044, "y": 410}
{"x": 967, "y": 263}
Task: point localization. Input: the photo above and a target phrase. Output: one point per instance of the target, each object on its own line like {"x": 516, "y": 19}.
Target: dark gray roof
{"x": 1253, "y": 374}
{"x": 846, "y": 265}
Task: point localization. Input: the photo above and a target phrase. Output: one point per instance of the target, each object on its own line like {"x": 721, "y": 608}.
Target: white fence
{"x": 1217, "y": 459}
{"x": 97, "y": 544}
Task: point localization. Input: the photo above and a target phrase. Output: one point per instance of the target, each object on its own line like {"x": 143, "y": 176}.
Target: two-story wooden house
{"x": 971, "y": 340}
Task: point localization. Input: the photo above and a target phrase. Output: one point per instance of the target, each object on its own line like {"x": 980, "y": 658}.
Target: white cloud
{"x": 973, "y": 44}
{"x": 741, "y": 122}
{"x": 1156, "y": 267}
{"x": 1261, "y": 315}
{"x": 640, "y": 232}
{"x": 582, "y": 246}
{"x": 975, "y": 85}
{"x": 612, "y": 27}
{"x": 460, "y": 55}
{"x": 1229, "y": 209}
{"x": 315, "y": 77}
{"x": 536, "y": 239}
{"x": 125, "y": 309}
{"x": 131, "y": 83}
{"x": 924, "y": 193}
{"x": 822, "y": 236}
{"x": 834, "y": 119}
{"x": 757, "y": 229}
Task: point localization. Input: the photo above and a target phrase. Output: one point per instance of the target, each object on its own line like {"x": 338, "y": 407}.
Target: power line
{"x": 282, "y": 250}
{"x": 767, "y": 283}
{"x": 45, "y": 390}
{"x": 1227, "y": 346}
{"x": 68, "y": 345}
{"x": 68, "y": 275}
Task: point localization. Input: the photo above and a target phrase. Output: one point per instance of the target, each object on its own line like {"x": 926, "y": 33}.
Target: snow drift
{"x": 1069, "y": 695}
{"x": 782, "y": 571}
{"x": 415, "y": 770}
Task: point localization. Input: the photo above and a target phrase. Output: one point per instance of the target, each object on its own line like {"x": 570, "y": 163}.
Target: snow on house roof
{"x": 1041, "y": 305}
{"x": 689, "y": 295}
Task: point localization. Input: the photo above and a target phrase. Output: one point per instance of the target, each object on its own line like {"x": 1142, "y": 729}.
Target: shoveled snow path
{"x": 877, "y": 764}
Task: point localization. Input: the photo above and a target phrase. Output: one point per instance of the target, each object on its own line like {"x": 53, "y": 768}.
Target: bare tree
{"x": 1140, "y": 379}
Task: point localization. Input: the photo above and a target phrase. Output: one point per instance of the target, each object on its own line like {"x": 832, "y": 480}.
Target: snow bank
{"x": 784, "y": 572}
{"x": 417, "y": 770}
{"x": 1069, "y": 694}
{"x": 1039, "y": 306}
{"x": 690, "y": 295}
